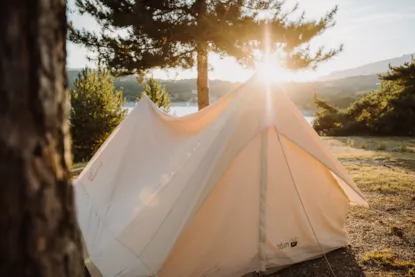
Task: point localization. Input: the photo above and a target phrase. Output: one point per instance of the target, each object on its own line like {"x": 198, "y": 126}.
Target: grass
{"x": 381, "y": 146}
{"x": 380, "y": 175}
{"x": 382, "y": 237}
{"x": 384, "y": 258}
{"x": 78, "y": 166}
{"x": 77, "y": 169}
{"x": 396, "y": 144}
{"x": 404, "y": 148}
{"x": 387, "y": 179}
{"x": 350, "y": 142}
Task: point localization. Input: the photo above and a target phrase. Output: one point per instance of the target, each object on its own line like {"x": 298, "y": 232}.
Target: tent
{"x": 244, "y": 185}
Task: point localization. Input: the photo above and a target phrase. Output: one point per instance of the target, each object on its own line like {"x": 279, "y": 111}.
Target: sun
{"x": 271, "y": 71}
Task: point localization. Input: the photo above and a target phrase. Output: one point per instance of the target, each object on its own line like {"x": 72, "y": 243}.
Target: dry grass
{"x": 387, "y": 179}
{"x": 77, "y": 169}
{"x": 394, "y": 144}
{"x": 384, "y": 258}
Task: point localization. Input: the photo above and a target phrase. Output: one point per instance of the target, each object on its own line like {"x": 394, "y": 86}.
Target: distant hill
{"x": 368, "y": 69}
{"x": 340, "y": 92}
{"x": 179, "y": 90}
{"x": 340, "y": 88}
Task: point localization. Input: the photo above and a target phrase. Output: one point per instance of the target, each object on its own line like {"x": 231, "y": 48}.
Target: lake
{"x": 183, "y": 108}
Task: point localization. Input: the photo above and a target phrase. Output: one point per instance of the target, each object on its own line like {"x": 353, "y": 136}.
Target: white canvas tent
{"x": 244, "y": 185}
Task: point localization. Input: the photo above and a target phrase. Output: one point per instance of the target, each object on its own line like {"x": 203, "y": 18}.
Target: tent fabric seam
{"x": 111, "y": 232}
{"x": 301, "y": 200}
{"x": 169, "y": 118}
{"x": 209, "y": 177}
{"x": 184, "y": 227}
{"x": 262, "y": 201}
{"x": 328, "y": 167}
{"x": 121, "y": 164}
{"x": 102, "y": 148}
{"x": 202, "y": 203}
{"x": 166, "y": 215}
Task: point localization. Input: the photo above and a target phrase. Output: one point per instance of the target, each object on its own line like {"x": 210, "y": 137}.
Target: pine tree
{"x": 387, "y": 111}
{"x": 157, "y": 93}
{"x": 96, "y": 109}
{"x": 397, "y": 116}
{"x": 326, "y": 117}
{"x": 39, "y": 232}
{"x": 181, "y": 33}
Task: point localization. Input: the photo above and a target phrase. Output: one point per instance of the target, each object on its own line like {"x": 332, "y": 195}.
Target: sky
{"x": 370, "y": 30}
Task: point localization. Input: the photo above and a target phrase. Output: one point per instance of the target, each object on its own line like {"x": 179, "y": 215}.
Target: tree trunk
{"x": 202, "y": 77}
{"x": 39, "y": 234}
{"x": 202, "y": 58}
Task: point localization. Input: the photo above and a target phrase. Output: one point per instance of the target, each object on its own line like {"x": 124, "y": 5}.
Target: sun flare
{"x": 271, "y": 71}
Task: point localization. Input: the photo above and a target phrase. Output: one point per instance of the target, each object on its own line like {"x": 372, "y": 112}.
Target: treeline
{"x": 389, "y": 111}
{"x": 341, "y": 92}
{"x": 179, "y": 90}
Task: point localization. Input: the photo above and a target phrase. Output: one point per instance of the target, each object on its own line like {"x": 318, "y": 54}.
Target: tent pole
{"x": 262, "y": 202}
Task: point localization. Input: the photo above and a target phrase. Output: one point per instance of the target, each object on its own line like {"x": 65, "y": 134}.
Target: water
{"x": 183, "y": 108}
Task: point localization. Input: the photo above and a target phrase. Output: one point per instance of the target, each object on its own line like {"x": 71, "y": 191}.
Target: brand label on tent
{"x": 292, "y": 243}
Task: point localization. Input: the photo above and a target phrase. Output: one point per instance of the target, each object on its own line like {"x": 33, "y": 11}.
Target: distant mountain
{"x": 340, "y": 92}
{"x": 340, "y": 88}
{"x": 179, "y": 90}
{"x": 368, "y": 69}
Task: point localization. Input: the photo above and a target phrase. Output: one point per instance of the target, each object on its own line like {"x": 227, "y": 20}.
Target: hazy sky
{"x": 371, "y": 30}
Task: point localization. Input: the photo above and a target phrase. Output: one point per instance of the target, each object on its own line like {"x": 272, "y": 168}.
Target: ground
{"x": 382, "y": 237}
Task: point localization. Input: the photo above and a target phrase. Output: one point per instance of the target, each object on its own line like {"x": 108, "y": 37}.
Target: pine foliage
{"x": 165, "y": 33}
{"x": 96, "y": 109}
{"x": 390, "y": 111}
{"x": 157, "y": 93}
{"x": 139, "y": 35}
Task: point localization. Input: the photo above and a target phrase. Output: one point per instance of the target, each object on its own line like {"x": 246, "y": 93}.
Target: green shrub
{"x": 157, "y": 93}
{"x": 388, "y": 111}
{"x": 96, "y": 109}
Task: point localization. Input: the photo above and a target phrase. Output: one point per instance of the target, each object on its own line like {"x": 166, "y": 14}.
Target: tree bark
{"x": 202, "y": 58}
{"x": 39, "y": 234}
{"x": 202, "y": 77}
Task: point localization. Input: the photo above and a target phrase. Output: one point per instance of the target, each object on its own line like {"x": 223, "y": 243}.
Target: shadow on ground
{"x": 342, "y": 261}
